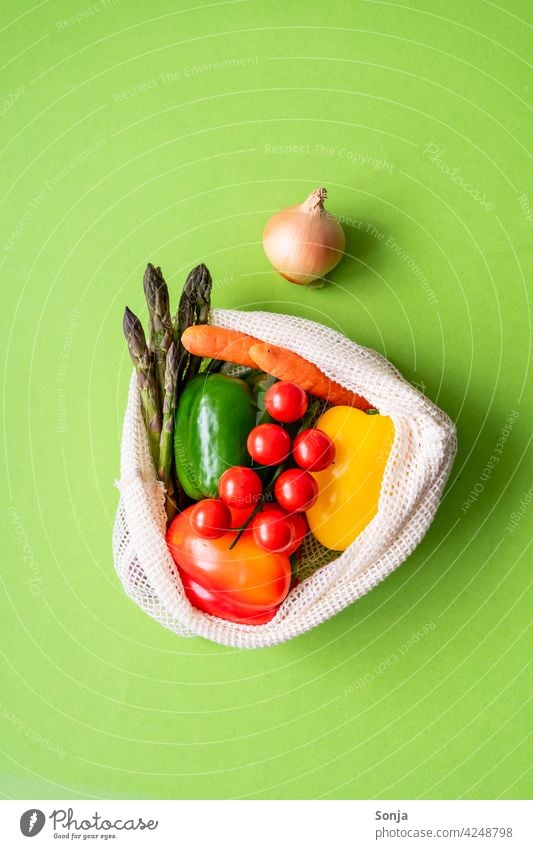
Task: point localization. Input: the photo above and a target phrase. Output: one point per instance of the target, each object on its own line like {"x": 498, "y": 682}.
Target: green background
{"x": 135, "y": 132}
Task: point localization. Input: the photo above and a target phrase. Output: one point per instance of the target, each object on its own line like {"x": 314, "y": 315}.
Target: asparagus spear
{"x": 203, "y": 298}
{"x": 201, "y": 314}
{"x": 146, "y": 380}
{"x": 174, "y": 494}
{"x": 193, "y": 308}
{"x": 157, "y": 299}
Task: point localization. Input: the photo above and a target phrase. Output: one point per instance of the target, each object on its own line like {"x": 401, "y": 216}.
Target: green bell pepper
{"x": 259, "y": 383}
{"x": 214, "y": 417}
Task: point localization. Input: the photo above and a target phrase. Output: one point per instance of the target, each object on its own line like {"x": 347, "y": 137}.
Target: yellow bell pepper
{"x": 349, "y": 489}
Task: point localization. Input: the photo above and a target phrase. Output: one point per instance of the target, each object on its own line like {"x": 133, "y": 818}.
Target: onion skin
{"x": 304, "y": 242}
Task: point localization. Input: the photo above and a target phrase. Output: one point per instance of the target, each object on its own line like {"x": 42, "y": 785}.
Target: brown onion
{"x": 304, "y": 242}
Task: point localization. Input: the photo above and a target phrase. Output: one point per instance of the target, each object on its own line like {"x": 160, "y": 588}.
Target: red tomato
{"x": 296, "y": 490}
{"x": 285, "y": 401}
{"x": 273, "y": 530}
{"x": 298, "y": 522}
{"x": 240, "y": 487}
{"x": 269, "y": 444}
{"x": 313, "y": 450}
{"x": 244, "y": 575}
{"x": 210, "y": 518}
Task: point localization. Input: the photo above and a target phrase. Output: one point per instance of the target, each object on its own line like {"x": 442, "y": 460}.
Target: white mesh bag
{"x": 419, "y": 463}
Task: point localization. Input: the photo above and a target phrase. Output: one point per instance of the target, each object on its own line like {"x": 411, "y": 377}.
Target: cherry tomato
{"x": 210, "y": 518}
{"x": 269, "y": 444}
{"x": 285, "y": 401}
{"x": 298, "y": 522}
{"x": 313, "y": 450}
{"x": 273, "y": 530}
{"x": 240, "y": 487}
{"x": 296, "y": 490}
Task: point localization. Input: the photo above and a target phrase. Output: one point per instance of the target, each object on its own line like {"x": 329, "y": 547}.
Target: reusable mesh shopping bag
{"x": 419, "y": 463}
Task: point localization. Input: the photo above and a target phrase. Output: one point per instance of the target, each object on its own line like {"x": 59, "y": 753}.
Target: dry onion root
{"x": 304, "y": 242}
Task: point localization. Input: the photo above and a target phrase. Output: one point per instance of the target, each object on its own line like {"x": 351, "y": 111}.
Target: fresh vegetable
{"x": 193, "y": 309}
{"x": 349, "y": 489}
{"x": 296, "y": 490}
{"x": 304, "y": 242}
{"x": 164, "y": 366}
{"x": 286, "y": 402}
{"x": 240, "y": 487}
{"x": 313, "y": 450}
{"x": 272, "y": 530}
{"x": 146, "y": 380}
{"x": 260, "y": 382}
{"x": 210, "y": 518}
{"x": 269, "y": 444}
{"x": 173, "y": 490}
{"x": 219, "y": 604}
{"x": 287, "y": 365}
{"x": 160, "y": 322}
{"x": 214, "y": 416}
{"x": 219, "y": 343}
{"x": 243, "y": 583}
{"x": 300, "y": 528}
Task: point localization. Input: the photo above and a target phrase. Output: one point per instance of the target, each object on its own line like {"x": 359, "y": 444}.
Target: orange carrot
{"x": 286, "y": 365}
{"x": 218, "y": 343}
